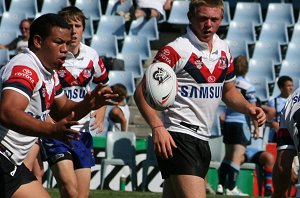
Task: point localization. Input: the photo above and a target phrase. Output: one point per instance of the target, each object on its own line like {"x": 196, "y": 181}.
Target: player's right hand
{"x": 62, "y": 129}
{"x": 163, "y": 142}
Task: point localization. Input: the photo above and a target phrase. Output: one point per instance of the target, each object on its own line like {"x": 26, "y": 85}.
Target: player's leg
{"x": 282, "y": 172}
{"x": 83, "y": 178}
{"x": 34, "y": 162}
{"x": 65, "y": 176}
{"x": 187, "y": 186}
{"x": 31, "y": 190}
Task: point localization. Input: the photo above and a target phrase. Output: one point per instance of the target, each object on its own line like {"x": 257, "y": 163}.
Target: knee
{"x": 69, "y": 191}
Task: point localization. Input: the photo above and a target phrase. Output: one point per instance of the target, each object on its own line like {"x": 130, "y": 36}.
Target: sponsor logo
{"x": 199, "y": 63}
{"x": 161, "y": 75}
{"x": 57, "y": 157}
{"x": 87, "y": 73}
{"x": 201, "y": 92}
{"x": 211, "y": 79}
{"x": 26, "y": 73}
{"x": 75, "y": 93}
{"x": 164, "y": 56}
{"x": 296, "y": 99}
{"x": 223, "y": 62}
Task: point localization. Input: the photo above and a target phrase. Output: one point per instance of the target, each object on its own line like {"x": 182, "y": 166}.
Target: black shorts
{"x": 12, "y": 177}
{"x": 236, "y": 133}
{"x": 191, "y": 157}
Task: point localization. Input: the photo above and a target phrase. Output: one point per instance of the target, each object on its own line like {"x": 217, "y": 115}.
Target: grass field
{"x": 125, "y": 194}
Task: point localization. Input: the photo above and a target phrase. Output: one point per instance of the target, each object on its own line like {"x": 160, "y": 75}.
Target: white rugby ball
{"x": 160, "y": 87}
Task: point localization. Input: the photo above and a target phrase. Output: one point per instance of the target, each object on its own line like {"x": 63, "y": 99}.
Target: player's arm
{"x": 13, "y": 116}
{"x": 282, "y": 172}
{"x": 236, "y": 101}
{"x": 96, "y": 99}
{"x": 162, "y": 140}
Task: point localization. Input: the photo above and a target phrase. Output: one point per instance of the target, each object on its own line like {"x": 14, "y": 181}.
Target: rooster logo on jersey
{"x": 161, "y": 75}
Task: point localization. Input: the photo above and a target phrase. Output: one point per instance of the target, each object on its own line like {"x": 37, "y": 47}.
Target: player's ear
{"x": 37, "y": 41}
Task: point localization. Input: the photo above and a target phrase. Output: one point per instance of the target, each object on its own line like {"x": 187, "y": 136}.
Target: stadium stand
{"x": 105, "y": 45}
{"x": 124, "y": 77}
{"x": 280, "y": 12}
{"x": 53, "y": 6}
{"x": 261, "y": 87}
{"x": 144, "y": 27}
{"x": 132, "y": 63}
{"x": 268, "y": 49}
{"x": 4, "y": 56}
{"x": 296, "y": 34}
{"x": 91, "y": 8}
{"x": 248, "y": 11}
{"x": 89, "y": 28}
{"x": 137, "y": 45}
{"x": 292, "y": 53}
{"x": 238, "y": 47}
{"x": 274, "y": 32}
{"x": 263, "y": 68}
{"x": 111, "y": 25}
{"x": 114, "y": 7}
{"x": 241, "y": 31}
{"x": 10, "y": 21}
{"x": 227, "y": 17}
{"x": 178, "y": 13}
{"x": 2, "y": 7}
{"x": 28, "y": 7}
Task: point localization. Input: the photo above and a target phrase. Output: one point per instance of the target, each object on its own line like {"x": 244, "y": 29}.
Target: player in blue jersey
{"x": 236, "y": 133}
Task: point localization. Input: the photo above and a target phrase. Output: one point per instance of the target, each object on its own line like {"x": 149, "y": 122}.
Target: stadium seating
{"x": 241, "y": 31}
{"x": 113, "y": 7}
{"x": 105, "y": 45}
{"x": 274, "y": 32}
{"x": 145, "y": 27}
{"x": 124, "y": 77}
{"x": 89, "y": 28}
{"x": 261, "y": 87}
{"x": 178, "y": 13}
{"x": 4, "y": 56}
{"x": 296, "y": 34}
{"x": 238, "y": 47}
{"x": 10, "y": 21}
{"x": 120, "y": 150}
{"x": 280, "y": 12}
{"x": 292, "y": 52}
{"x": 132, "y": 63}
{"x": 264, "y": 3}
{"x": 28, "y": 7}
{"x": 53, "y": 6}
{"x": 262, "y": 67}
{"x": 137, "y": 45}
{"x": 149, "y": 161}
{"x": 248, "y": 11}
{"x": 227, "y": 18}
{"x": 91, "y": 8}
{"x": 111, "y": 25}
{"x": 2, "y": 7}
{"x": 268, "y": 49}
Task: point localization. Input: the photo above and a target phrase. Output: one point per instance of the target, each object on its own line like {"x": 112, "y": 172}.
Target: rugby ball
{"x": 160, "y": 87}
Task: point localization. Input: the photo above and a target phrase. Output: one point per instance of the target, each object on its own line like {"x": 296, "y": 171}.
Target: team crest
{"x": 161, "y": 75}
{"x": 61, "y": 73}
{"x": 87, "y": 73}
{"x": 198, "y": 63}
{"x": 223, "y": 62}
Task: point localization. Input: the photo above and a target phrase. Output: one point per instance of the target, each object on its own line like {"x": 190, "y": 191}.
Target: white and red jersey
{"x": 201, "y": 75}
{"x": 290, "y": 116}
{"x": 81, "y": 74}
{"x": 26, "y": 75}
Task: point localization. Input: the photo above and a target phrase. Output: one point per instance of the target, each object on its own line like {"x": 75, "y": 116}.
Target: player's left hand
{"x": 100, "y": 97}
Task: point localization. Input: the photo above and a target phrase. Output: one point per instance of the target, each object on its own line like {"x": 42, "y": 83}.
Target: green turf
{"x": 116, "y": 194}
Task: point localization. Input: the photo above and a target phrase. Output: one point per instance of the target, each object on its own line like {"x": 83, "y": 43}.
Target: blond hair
{"x": 212, "y": 3}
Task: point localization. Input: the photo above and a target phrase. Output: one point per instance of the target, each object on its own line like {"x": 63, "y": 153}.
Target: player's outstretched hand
{"x": 62, "y": 129}
{"x": 100, "y": 96}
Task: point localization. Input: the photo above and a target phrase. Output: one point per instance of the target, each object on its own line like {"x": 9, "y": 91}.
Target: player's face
{"x": 25, "y": 28}
{"x": 54, "y": 48}
{"x": 77, "y": 32}
{"x": 205, "y": 21}
{"x": 287, "y": 88}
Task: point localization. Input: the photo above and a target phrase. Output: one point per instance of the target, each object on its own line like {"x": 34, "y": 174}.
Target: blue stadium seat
{"x": 105, "y": 45}
{"x": 2, "y": 7}
{"x": 265, "y": 3}
{"x": 113, "y": 7}
{"x": 233, "y": 3}
{"x": 4, "y": 56}
{"x": 11, "y": 20}
{"x": 296, "y": 34}
{"x": 280, "y": 12}
{"x": 238, "y": 47}
{"x": 296, "y": 4}
{"x": 124, "y": 77}
{"x": 248, "y": 11}
{"x": 227, "y": 18}
{"x": 137, "y": 45}
{"x": 268, "y": 49}
{"x": 89, "y": 28}
{"x": 274, "y": 32}
{"x": 145, "y": 27}
{"x": 261, "y": 87}
{"x": 28, "y": 7}
{"x": 262, "y": 67}
{"x": 53, "y": 6}
{"x": 132, "y": 63}
{"x": 292, "y": 52}
{"x": 91, "y": 8}
{"x": 111, "y": 25}
{"x": 178, "y": 13}
{"x": 241, "y": 31}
